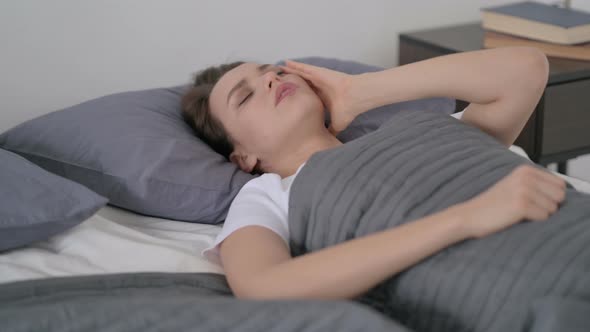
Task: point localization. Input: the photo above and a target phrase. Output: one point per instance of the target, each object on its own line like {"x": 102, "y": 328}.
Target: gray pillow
{"x": 134, "y": 148}
{"x": 35, "y": 204}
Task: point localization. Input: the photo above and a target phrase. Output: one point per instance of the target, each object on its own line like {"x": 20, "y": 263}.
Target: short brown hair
{"x": 197, "y": 112}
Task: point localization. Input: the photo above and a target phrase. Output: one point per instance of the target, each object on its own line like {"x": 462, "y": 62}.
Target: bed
{"x": 94, "y": 266}
{"x": 122, "y": 270}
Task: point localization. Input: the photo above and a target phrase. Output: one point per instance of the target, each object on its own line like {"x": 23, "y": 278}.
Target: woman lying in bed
{"x": 270, "y": 120}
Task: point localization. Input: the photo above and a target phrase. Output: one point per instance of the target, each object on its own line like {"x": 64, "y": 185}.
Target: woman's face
{"x": 244, "y": 100}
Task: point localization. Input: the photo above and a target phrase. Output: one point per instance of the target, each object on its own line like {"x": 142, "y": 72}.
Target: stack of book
{"x": 559, "y": 32}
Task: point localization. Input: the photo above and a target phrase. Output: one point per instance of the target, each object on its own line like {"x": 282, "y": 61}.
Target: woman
{"x": 270, "y": 120}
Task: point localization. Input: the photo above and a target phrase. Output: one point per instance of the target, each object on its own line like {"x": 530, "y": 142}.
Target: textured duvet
{"x": 532, "y": 276}
{"x": 169, "y": 302}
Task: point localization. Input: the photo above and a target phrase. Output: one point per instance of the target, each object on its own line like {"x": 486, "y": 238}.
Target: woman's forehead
{"x": 241, "y": 72}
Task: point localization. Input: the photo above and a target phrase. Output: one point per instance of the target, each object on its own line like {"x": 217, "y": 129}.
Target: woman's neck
{"x": 288, "y": 163}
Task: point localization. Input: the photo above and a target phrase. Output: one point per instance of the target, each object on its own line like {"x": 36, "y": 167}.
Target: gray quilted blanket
{"x": 169, "y": 302}
{"x": 419, "y": 163}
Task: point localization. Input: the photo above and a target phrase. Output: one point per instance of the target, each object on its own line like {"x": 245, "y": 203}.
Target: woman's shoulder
{"x": 262, "y": 182}
{"x": 264, "y": 188}
{"x": 271, "y": 181}
{"x": 270, "y": 185}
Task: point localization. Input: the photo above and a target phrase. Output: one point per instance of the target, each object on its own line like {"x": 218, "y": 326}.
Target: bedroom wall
{"x": 59, "y": 53}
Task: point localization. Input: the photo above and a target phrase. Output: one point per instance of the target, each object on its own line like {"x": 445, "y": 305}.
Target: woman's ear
{"x": 244, "y": 161}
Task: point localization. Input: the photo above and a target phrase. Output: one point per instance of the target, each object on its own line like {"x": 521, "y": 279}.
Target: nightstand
{"x": 558, "y": 129}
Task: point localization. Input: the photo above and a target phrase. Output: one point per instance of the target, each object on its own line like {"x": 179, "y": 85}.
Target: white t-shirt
{"x": 262, "y": 201}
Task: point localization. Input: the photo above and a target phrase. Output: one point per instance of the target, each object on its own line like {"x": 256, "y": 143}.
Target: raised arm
{"x": 503, "y": 86}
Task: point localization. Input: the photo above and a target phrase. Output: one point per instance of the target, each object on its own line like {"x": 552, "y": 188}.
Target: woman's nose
{"x": 269, "y": 79}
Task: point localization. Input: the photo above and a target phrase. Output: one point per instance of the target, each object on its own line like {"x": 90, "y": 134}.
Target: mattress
{"x": 115, "y": 240}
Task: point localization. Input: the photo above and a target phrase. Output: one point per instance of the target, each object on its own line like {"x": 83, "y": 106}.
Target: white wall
{"x": 58, "y": 53}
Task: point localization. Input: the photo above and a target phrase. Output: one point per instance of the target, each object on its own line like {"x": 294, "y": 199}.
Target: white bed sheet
{"x": 116, "y": 241}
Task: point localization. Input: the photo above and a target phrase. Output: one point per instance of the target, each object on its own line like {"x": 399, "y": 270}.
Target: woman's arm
{"x": 258, "y": 264}
{"x": 503, "y": 86}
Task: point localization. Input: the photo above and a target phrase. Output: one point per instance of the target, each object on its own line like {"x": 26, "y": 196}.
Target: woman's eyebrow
{"x": 242, "y": 82}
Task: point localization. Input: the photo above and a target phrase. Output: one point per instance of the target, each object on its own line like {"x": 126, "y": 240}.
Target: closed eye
{"x": 248, "y": 96}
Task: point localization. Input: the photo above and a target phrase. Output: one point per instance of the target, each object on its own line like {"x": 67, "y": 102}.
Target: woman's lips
{"x": 284, "y": 90}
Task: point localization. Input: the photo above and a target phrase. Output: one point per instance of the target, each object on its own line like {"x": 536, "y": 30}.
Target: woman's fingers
{"x": 293, "y": 67}
{"x": 306, "y": 77}
{"x": 310, "y": 79}
{"x": 551, "y": 177}
{"x": 289, "y": 69}
{"x": 552, "y": 191}
{"x": 306, "y": 70}
{"x": 551, "y": 185}
{"x": 305, "y": 74}
{"x": 544, "y": 204}
{"x": 299, "y": 66}
{"x": 546, "y": 196}
{"x": 537, "y": 213}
